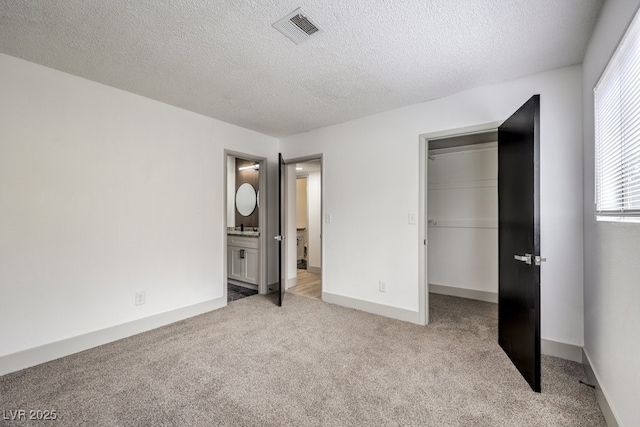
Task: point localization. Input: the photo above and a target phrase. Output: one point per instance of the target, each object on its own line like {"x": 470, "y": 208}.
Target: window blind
{"x": 617, "y": 131}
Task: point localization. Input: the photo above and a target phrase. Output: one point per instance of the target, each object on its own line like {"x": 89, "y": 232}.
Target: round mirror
{"x": 246, "y": 199}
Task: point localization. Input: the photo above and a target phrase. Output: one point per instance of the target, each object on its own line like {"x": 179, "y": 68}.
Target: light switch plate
{"x": 412, "y": 219}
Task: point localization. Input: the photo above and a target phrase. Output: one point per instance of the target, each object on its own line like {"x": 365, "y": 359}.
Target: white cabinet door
{"x": 235, "y": 264}
{"x": 251, "y": 266}
{"x": 243, "y": 259}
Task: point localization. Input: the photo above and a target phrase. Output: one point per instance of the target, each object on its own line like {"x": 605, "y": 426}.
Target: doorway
{"x": 244, "y": 226}
{"x": 303, "y": 223}
{"x": 518, "y": 232}
{"x": 434, "y": 220}
{"x": 462, "y": 224}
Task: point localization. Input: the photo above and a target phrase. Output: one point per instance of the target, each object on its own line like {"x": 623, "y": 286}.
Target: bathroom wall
{"x": 231, "y": 188}
{"x": 250, "y": 176}
{"x": 289, "y": 244}
{"x": 302, "y": 214}
{"x": 314, "y": 196}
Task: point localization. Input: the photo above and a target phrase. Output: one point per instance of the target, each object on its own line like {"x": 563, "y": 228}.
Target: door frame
{"x": 285, "y": 262}
{"x": 423, "y": 253}
{"x": 262, "y": 218}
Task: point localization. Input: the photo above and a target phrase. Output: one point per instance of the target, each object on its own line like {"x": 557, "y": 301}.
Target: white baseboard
{"x": 561, "y": 350}
{"x": 373, "y": 307}
{"x": 45, "y": 353}
{"x": 273, "y": 287}
{"x": 601, "y": 397}
{"x": 291, "y": 282}
{"x": 549, "y": 347}
{"x": 464, "y": 293}
{"x": 314, "y": 270}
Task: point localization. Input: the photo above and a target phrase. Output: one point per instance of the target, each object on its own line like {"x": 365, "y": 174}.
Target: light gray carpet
{"x": 308, "y": 363}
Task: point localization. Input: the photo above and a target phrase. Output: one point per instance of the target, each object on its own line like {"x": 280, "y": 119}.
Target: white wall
{"x": 314, "y": 201}
{"x": 612, "y": 271}
{"x": 463, "y": 203}
{"x": 290, "y": 241}
{"x": 302, "y": 215}
{"x": 231, "y": 191}
{"x": 371, "y": 169}
{"x": 102, "y": 194}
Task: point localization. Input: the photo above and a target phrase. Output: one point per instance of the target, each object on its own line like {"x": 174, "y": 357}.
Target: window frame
{"x": 616, "y": 143}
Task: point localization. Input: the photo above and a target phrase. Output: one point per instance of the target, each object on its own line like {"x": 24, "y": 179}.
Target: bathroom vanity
{"x": 243, "y": 258}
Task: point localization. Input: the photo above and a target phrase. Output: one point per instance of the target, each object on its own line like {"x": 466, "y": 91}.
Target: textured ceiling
{"x": 224, "y": 60}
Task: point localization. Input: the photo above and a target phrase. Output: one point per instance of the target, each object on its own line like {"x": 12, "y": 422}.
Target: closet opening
{"x": 462, "y": 216}
{"x": 458, "y": 213}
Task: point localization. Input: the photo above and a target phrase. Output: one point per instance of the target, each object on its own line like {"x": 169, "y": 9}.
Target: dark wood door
{"x": 519, "y": 240}
{"x": 279, "y": 237}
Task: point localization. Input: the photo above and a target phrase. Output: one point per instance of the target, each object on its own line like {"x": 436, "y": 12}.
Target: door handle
{"x": 279, "y": 238}
{"x": 524, "y": 258}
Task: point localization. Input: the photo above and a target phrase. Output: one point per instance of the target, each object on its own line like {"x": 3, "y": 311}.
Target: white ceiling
{"x": 224, "y": 60}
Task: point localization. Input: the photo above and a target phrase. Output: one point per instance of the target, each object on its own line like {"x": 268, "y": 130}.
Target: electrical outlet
{"x": 383, "y": 286}
{"x": 327, "y": 218}
{"x": 141, "y": 298}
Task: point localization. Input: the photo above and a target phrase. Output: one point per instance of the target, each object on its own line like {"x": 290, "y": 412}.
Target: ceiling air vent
{"x": 297, "y": 26}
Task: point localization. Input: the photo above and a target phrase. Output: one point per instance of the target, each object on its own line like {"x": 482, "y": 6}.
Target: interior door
{"x": 519, "y": 240}
{"x": 280, "y": 236}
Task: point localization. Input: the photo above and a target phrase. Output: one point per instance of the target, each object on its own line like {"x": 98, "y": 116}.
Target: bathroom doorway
{"x": 304, "y": 221}
{"x": 244, "y": 226}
